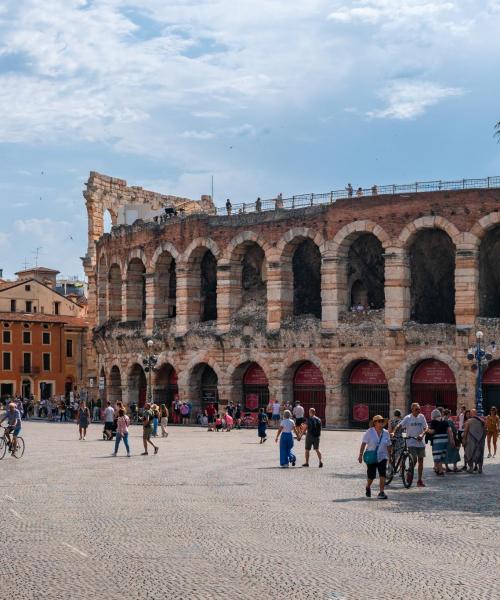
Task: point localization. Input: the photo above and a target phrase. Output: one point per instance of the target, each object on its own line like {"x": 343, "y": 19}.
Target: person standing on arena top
{"x": 416, "y": 427}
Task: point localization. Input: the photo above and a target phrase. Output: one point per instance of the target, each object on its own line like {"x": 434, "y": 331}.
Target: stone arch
{"x": 196, "y": 245}
{"x": 136, "y": 290}
{"x": 114, "y": 387}
{"x": 293, "y": 237}
{"x": 115, "y": 290}
{"x": 432, "y": 256}
{"x": 137, "y": 385}
{"x": 164, "y": 247}
{"x": 252, "y": 393}
{"x": 245, "y": 285}
{"x": 484, "y": 224}
{"x": 430, "y": 222}
{"x": 203, "y": 386}
{"x": 344, "y": 237}
{"x": 201, "y": 357}
{"x": 136, "y": 253}
{"x": 165, "y": 385}
{"x": 164, "y": 285}
{"x": 489, "y": 272}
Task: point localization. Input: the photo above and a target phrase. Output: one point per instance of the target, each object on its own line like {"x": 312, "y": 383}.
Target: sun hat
{"x": 378, "y": 418}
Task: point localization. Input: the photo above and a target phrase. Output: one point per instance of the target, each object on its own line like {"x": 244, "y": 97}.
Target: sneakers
{"x": 420, "y": 483}
{"x": 305, "y": 465}
{"x": 368, "y": 492}
{"x": 293, "y": 462}
{"x": 113, "y": 454}
{"x": 128, "y": 454}
{"x": 382, "y": 496}
{"x": 144, "y": 453}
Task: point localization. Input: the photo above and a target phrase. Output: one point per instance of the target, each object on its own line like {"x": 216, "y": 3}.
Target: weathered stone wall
{"x": 276, "y": 339}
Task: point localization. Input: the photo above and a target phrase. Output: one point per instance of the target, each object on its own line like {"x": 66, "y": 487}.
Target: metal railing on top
{"x": 304, "y": 200}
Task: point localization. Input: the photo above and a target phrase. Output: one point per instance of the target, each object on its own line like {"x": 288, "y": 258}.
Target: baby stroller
{"x": 109, "y": 434}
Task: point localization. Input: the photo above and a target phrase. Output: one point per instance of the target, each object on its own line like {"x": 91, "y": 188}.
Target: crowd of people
{"x": 379, "y": 445}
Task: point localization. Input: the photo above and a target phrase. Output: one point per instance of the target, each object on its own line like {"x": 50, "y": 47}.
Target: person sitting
{"x": 218, "y": 423}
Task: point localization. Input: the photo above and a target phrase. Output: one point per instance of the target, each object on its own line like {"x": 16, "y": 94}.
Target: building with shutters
{"x": 42, "y": 338}
{"x": 354, "y": 306}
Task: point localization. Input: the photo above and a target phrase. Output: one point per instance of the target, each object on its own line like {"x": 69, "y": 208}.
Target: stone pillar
{"x": 397, "y": 287}
{"x": 337, "y": 287}
{"x": 337, "y": 405}
{"x": 226, "y": 288}
{"x": 329, "y": 311}
{"x": 279, "y": 293}
{"x": 125, "y": 315}
{"x": 188, "y": 298}
{"x": 466, "y": 285}
{"x": 149, "y": 280}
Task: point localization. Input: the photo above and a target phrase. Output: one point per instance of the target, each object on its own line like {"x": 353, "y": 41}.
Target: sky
{"x": 266, "y": 96}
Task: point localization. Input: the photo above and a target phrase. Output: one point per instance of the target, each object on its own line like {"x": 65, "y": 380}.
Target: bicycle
{"x": 5, "y": 443}
{"x": 403, "y": 463}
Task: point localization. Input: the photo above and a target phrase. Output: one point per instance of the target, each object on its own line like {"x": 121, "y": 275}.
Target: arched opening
{"x": 491, "y": 387}
{"x": 368, "y": 394}
{"x": 365, "y": 272}
{"x": 102, "y": 285}
{"x": 309, "y": 389}
{"x": 208, "y": 287}
{"x": 255, "y": 390}
{"x": 115, "y": 293}
{"x": 68, "y": 387}
{"x": 136, "y": 290}
{"x": 432, "y": 385}
{"x": 165, "y": 287}
{"x": 137, "y": 386}
{"x": 113, "y": 391}
{"x": 489, "y": 274}
{"x": 432, "y": 265}
{"x": 306, "y": 267}
{"x": 204, "y": 387}
{"x": 166, "y": 389}
{"x": 107, "y": 221}
{"x": 251, "y": 270}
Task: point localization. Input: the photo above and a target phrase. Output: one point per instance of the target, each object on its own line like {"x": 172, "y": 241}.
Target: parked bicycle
{"x": 402, "y": 463}
{"x": 6, "y": 444}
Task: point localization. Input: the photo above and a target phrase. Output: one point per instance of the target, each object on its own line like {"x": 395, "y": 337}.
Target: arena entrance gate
{"x": 491, "y": 387}
{"x": 208, "y": 388}
{"x": 309, "y": 389}
{"x": 433, "y": 384}
{"x": 255, "y": 391}
{"x": 368, "y": 394}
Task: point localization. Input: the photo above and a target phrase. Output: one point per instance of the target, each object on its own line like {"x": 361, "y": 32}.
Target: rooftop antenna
{"x": 37, "y": 254}
{"x": 25, "y": 263}
{"x": 212, "y": 188}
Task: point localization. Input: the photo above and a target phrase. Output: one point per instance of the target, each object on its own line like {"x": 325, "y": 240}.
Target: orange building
{"x": 42, "y": 341}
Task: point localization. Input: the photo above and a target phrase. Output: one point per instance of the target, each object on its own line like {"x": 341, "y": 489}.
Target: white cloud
{"x": 378, "y": 11}
{"x": 410, "y": 99}
{"x": 197, "y": 135}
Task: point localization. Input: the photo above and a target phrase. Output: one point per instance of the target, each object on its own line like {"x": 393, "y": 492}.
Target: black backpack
{"x": 314, "y": 427}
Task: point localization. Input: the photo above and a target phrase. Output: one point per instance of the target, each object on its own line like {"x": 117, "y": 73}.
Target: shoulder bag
{"x": 370, "y": 457}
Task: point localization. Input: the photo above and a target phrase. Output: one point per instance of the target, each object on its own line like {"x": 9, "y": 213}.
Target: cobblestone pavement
{"x": 212, "y": 516}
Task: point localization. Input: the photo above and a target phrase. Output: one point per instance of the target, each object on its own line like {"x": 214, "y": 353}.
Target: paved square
{"x": 214, "y": 517}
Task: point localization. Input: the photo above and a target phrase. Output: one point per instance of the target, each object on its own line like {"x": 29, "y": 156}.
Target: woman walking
{"x": 286, "y": 430}
{"x": 375, "y": 450}
{"x": 164, "y": 420}
{"x": 492, "y": 425}
{"x": 262, "y": 425}
{"x": 474, "y": 436}
{"x": 452, "y": 456}
{"x": 122, "y": 424}
{"x": 156, "y": 419}
{"x": 441, "y": 435}
{"x": 83, "y": 419}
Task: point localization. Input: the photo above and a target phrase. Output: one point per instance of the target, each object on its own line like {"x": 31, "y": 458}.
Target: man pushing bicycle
{"x": 13, "y": 417}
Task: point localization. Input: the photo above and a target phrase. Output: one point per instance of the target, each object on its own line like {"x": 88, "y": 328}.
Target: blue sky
{"x": 266, "y": 96}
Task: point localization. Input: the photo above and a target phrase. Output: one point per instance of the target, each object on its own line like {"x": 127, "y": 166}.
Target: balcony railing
{"x": 304, "y": 200}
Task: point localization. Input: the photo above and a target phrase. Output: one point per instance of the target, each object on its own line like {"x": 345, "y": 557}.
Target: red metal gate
{"x": 309, "y": 389}
{"x": 433, "y": 384}
{"x": 368, "y": 394}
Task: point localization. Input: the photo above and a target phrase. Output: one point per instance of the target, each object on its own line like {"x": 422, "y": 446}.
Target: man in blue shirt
{"x": 13, "y": 417}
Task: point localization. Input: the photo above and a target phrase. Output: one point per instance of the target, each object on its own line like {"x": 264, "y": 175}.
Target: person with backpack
{"x": 147, "y": 429}
{"x": 262, "y": 425}
{"x": 313, "y": 434}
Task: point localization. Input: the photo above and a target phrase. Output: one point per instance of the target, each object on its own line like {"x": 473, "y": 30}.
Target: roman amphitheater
{"x": 353, "y": 305}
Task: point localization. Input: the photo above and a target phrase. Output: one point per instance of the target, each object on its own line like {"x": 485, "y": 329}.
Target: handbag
{"x": 370, "y": 457}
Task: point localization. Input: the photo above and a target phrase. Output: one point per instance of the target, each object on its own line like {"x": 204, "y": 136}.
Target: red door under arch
{"x": 255, "y": 389}
{"x": 309, "y": 389}
{"x": 433, "y": 384}
{"x": 368, "y": 393}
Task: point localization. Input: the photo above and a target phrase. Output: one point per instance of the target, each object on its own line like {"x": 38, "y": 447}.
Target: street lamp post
{"x": 149, "y": 362}
{"x": 481, "y": 357}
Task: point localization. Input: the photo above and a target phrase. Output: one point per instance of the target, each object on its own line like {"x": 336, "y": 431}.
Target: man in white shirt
{"x": 298, "y": 413}
{"x": 109, "y": 414}
{"x": 416, "y": 427}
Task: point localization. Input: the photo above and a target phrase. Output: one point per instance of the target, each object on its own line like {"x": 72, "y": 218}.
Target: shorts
{"x": 146, "y": 433}
{"x": 416, "y": 452}
{"x": 15, "y": 431}
{"x": 275, "y": 417}
{"x": 381, "y": 467}
{"x": 312, "y": 442}
{"x": 211, "y": 419}
{"x": 108, "y": 426}
{"x": 299, "y": 421}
